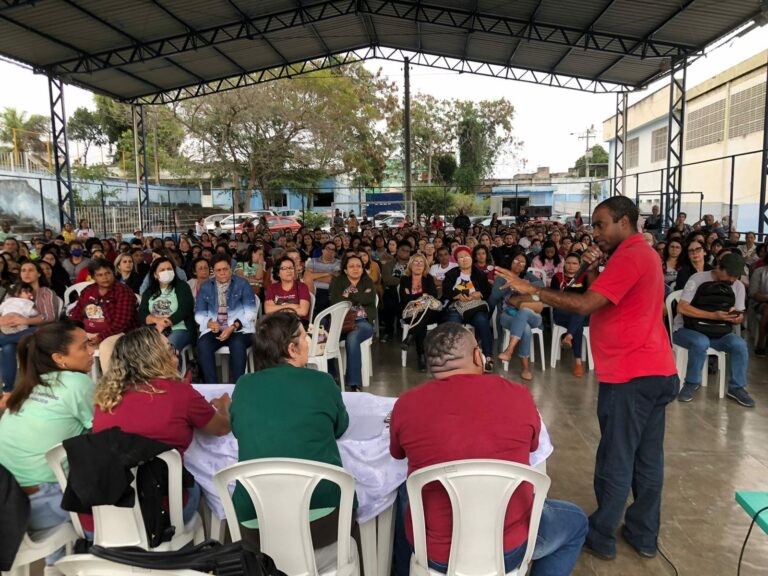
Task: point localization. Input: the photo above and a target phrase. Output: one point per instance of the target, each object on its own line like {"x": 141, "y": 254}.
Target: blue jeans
{"x": 562, "y": 530}
{"x": 697, "y": 343}
{"x": 179, "y": 339}
{"x": 8, "y": 345}
{"x": 520, "y": 325}
{"x": 574, "y": 323}
{"x": 630, "y": 456}
{"x": 481, "y": 322}
{"x": 45, "y": 512}
{"x": 363, "y": 330}
{"x": 207, "y": 345}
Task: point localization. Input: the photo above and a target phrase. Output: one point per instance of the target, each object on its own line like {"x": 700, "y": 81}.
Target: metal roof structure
{"x": 159, "y": 51}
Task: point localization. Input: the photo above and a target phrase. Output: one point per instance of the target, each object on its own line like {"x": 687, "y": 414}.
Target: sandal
{"x": 567, "y": 342}
{"x": 505, "y": 357}
{"x": 526, "y": 375}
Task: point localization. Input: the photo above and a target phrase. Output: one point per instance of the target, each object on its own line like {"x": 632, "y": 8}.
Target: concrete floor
{"x": 713, "y": 448}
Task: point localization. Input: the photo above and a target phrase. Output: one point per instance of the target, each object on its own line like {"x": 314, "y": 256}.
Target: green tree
{"x": 445, "y": 172}
{"x": 319, "y": 125}
{"x": 483, "y": 133}
{"x": 598, "y": 163}
{"x": 431, "y": 199}
{"x": 29, "y": 132}
{"x": 86, "y": 127}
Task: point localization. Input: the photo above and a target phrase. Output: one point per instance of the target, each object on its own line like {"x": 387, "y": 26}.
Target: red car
{"x": 276, "y": 223}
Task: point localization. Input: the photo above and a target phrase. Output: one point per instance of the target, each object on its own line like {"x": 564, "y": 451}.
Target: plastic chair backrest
{"x": 88, "y": 565}
{"x": 281, "y": 490}
{"x": 77, "y": 288}
{"x": 337, "y": 312}
{"x": 672, "y": 299}
{"x": 114, "y": 526}
{"x": 479, "y": 491}
{"x": 540, "y": 273}
{"x": 311, "y": 306}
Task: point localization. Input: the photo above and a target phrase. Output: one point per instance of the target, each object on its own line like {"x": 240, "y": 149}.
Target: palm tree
{"x": 31, "y": 131}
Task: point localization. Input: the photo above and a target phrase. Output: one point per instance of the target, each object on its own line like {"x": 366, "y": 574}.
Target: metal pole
{"x": 637, "y": 190}
{"x": 407, "y": 132}
{"x": 103, "y": 211}
{"x": 42, "y": 200}
{"x": 762, "y": 217}
{"x": 730, "y": 202}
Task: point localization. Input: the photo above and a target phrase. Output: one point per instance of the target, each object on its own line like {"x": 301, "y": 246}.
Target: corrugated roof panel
{"x": 162, "y": 73}
{"x": 435, "y": 40}
{"x": 585, "y": 64}
{"x": 522, "y": 9}
{"x": 703, "y": 21}
{"x": 632, "y": 68}
{"x": 145, "y": 23}
{"x": 537, "y": 55}
{"x": 340, "y": 33}
{"x": 572, "y": 14}
{"x": 402, "y": 34}
{"x": 490, "y": 48}
{"x": 114, "y": 82}
{"x": 637, "y": 19}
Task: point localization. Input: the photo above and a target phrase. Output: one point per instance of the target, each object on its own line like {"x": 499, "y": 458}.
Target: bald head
{"x": 452, "y": 349}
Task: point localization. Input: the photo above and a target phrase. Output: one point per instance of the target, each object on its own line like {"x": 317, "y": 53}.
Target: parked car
{"x": 393, "y": 222}
{"x": 503, "y": 221}
{"x": 235, "y": 221}
{"x": 259, "y": 213}
{"x": 278, "y": 223}
{"x": 298, "y": 214}
{"x": 210, "y": 221}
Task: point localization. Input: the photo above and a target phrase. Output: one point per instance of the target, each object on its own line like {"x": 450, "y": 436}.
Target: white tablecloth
{"x": 364, "y": 450}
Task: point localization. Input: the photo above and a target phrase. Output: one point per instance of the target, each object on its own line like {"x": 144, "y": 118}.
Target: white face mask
{"x": 166, "y": 276}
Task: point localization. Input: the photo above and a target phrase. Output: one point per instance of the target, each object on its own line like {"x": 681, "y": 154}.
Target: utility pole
{"x": 587, "y": 135}
{"x": 407, "y": 134}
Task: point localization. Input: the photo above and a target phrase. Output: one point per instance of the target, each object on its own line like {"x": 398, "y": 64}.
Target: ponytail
{"x": 35, "y": 353}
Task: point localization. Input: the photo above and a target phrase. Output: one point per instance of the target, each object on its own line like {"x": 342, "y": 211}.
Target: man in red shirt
{"x": 464, "y": 414}
{"x": 636, "y": 371}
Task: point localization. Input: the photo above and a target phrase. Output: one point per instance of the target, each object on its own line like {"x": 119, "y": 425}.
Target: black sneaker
{"x": 741, "y": 396}
{"x": 760, "y": 352}
{"x": 687, "y": 391}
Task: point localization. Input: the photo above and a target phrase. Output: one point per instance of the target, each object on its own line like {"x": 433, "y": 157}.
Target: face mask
{"x": 76, "y": 252}
{"x": 166, "y": 276}
{"x": 536, "y": 249}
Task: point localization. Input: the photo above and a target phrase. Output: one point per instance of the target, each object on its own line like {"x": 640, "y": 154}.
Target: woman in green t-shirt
{"x": 284, "y": 410}
{"x": 51, "y": 402}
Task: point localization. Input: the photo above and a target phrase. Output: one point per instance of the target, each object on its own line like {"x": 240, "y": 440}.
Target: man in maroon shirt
{"x": 463, "y": 414}
{"x": 106, "y": 308}
{"x": 636, "y": 371}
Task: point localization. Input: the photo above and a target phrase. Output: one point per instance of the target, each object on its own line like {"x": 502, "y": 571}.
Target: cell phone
{"x": 167, "y": 331}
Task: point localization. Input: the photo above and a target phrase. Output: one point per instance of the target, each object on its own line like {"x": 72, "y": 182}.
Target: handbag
{"x": 350, "y": 320}
{"x": 712, "y": 297}
{"x": 470, "y": 308}
{"x": 415, "y": 311}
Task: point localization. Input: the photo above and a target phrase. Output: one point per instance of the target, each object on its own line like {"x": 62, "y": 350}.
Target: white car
{"x": 291, "y": 212}
{"x": 259, "y": 213}
{"x": 210, "y": 221}
{"x": 502, "y": 220}
{"x": 232, "y": 221}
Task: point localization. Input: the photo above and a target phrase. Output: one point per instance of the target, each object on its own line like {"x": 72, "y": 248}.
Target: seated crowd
{"x": 134, "y": 308}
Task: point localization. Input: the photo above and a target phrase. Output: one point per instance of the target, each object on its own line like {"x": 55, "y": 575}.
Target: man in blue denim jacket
{"x": 225, "y": 312}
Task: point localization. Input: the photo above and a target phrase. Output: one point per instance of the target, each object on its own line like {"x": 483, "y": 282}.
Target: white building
{"x": 724, "y": 117}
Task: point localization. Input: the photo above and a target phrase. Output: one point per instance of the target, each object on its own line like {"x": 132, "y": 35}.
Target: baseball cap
{"x": 733, "y": 264}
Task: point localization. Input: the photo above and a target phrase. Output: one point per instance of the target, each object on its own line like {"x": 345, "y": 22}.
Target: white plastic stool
{"x": 536, "y": 334}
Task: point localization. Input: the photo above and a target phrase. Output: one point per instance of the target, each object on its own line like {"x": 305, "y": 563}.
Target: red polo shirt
{"x": 463, "y": 417}
{"x": 627, "y": 336}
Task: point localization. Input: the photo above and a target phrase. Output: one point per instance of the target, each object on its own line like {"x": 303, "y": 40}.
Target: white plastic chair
{"x": 77, "y": 289}
{"x": 479, "y": 491}
{"x": 223, "y": 352}
{"x": 406, "y": 328}
{"x": 44, "y": 543}
{"x": 336, "y": 313}
{"x": 555, "y": 350}
{"x": 537, "y": 335}
{"x": 115, "y": 526}
{"x": 366, "y": 355}
{"x": 89, "y": 565}
{"x": 281, "y": 490}
{"x": 681, "y": 354}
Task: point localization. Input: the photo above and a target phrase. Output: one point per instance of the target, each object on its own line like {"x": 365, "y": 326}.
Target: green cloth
{"x": 166, "y": 304}
{"x": 364, "y": 297}
{"x": 49, "y": 416}
{"x": 288, "y": 412}
{"x": 185, "y": 310}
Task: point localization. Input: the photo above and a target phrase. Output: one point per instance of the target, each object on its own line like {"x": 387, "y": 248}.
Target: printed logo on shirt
{"x": 161, "y": 308}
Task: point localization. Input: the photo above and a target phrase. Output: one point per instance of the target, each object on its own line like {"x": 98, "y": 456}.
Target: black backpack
{"x": 236, "y": 559}
{"x": 712, "y": 297}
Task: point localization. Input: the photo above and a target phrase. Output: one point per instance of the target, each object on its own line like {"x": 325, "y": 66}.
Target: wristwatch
{"x": 535, "y": 296}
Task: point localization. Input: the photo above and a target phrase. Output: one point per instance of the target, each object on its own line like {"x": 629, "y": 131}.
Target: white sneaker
{"x": 52, "y": 571}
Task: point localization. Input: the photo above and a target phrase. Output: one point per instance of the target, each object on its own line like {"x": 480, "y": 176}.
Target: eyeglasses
{"x": 695, "y": 250}
{"x": 519, "y": 262}
{"x": 291, "y": 269}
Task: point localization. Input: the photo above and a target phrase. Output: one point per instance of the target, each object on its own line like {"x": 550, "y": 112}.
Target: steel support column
{"x": 140, "y": 157}
{"x": 672, "y": 193}
{"x": 762, "y": 223}
{"x": 620, "y": 141}
{"x": 61, "y": 151}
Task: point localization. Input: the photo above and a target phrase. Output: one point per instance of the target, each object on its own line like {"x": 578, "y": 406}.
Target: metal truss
{"x": 304, "y": 15}
{"x": 61, "y": 151}
{"x": 620, "y": 141}
{"x": 392, "y": 54}
{"x": 6, "y": 4}
{"x": 762, "y": 225}
{"x": 140, "y": 157}
{"x": 672, "y": 197}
